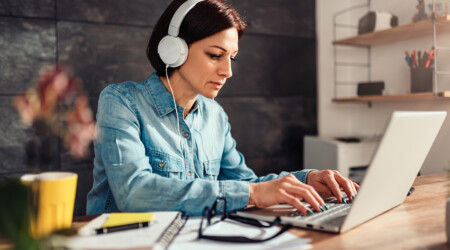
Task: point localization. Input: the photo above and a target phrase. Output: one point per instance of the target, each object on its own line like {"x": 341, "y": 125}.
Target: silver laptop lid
{"x": 395, "y": 165}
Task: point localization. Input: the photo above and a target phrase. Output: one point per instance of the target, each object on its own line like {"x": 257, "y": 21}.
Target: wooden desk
{"x": 419, "y": 222}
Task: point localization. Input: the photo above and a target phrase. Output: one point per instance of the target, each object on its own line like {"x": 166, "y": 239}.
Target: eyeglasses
{"x": 209, "y": 214}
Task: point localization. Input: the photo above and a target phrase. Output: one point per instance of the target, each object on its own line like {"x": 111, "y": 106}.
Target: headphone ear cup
{"x": 173, "y": 51}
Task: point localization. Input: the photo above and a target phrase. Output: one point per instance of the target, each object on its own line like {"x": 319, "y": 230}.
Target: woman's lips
{"x": 217, "y": 85}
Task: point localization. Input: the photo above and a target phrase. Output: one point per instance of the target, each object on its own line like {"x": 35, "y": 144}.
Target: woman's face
{"x": 209, "y": 63}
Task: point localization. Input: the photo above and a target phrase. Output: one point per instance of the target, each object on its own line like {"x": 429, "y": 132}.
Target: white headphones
{"x": 173, "y": 50}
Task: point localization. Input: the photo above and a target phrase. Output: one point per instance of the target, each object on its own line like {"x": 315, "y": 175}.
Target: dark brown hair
{"x": 205, "y": 19}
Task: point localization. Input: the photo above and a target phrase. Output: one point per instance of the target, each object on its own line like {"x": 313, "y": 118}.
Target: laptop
{"x": 402, "y": 150}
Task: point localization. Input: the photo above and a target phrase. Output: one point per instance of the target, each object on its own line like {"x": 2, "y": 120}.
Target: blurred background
{"x": 271, "y": 99}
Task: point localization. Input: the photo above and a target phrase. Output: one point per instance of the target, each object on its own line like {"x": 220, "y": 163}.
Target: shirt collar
{"x": 161, "y": 97}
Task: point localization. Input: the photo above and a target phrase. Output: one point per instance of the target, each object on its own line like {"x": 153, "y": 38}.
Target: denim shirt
{"x": 143, "y": 163}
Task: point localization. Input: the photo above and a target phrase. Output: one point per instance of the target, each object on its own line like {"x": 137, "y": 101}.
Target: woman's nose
{"x": 225, "y": 68}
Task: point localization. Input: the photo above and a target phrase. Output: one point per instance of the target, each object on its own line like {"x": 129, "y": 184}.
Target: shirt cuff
{"x": 237, "y": 194}
{"x": 302, "y": 174}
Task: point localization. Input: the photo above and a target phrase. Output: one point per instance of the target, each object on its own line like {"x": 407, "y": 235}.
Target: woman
{"x": 151, "y": 156}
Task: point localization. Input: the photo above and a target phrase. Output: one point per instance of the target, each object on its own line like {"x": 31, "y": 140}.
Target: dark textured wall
{"x": 271, "y": 99}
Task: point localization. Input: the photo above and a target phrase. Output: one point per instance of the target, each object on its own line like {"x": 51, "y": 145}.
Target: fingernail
{"x": 310, "y": 212}
{"x": 321, "y": 208}
{"x": 343, "y": 200}
{"x": 353, "y": 197}
{"x": 326, "y": 207}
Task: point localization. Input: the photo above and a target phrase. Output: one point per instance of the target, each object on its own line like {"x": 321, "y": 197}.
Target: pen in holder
{"x": 421, "y": 80}
{"x": 421, "y": 64}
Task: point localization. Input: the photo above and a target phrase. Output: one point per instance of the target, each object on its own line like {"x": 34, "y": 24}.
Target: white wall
{"x": 388, "y": 64}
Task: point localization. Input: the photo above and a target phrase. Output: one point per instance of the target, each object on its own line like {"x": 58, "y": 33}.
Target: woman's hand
{"x": 288, "y": 190}
{"x": 330, "y": 183}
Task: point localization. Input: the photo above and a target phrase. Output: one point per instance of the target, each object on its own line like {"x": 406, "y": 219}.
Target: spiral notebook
{"x": 159, "y": 233}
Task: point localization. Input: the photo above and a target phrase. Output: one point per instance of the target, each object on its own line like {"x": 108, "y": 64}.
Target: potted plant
{"x": 55, "y": 108}
{"x": 57, "y": 94}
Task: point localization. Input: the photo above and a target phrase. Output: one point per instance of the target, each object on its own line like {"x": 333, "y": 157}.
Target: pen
{"x": 408, "y": 58}
{"x": 106, "y": 230}
{"x": 419, "y": 58}
{"x": 425, "y": 57}
{"x": 408, "y": 61}
{"x": 407, "y": 54}
{"x": 430, "y": 58}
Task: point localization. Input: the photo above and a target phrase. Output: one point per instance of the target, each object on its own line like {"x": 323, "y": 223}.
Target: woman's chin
{"x": 211, "y": 94}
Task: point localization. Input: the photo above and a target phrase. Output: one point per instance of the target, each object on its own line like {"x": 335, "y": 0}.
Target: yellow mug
{"x": 54, "y": 199}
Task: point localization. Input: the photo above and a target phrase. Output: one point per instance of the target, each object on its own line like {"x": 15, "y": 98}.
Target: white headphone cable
{"x": 174, "y": 105}
{"x": 178, "y": 126}
{"x": 212, "y": 137}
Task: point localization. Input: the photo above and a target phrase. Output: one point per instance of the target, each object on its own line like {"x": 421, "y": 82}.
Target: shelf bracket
{"x": 335, "y": 53}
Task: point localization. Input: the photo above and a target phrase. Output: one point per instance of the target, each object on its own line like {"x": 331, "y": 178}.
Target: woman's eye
{"x": 214, "y": 56}
{"x": 218, "y": 56}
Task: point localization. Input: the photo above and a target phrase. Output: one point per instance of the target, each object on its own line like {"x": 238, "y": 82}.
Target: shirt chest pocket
{"x": 165, "y": 165}
{"x": 211, "y": 169}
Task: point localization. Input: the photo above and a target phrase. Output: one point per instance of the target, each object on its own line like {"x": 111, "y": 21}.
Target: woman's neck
{"x": 183, "y": 96}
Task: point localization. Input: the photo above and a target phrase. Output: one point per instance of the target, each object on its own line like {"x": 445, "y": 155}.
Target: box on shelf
{"x": 340, "y": 154}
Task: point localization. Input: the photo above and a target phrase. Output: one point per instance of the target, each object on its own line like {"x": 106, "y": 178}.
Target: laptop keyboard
{"x": 335, "y": 210}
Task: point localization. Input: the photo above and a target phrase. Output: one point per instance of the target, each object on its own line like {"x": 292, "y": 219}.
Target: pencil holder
{"x": 421, "y": 80}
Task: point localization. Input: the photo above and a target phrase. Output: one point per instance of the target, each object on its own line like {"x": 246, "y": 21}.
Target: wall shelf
{"x": 430, "y": 27}
{"x": 399, "y": 33}
{"x": 405, "y": 97}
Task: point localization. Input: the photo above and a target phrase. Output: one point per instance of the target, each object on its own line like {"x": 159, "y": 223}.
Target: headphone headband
{"x": 179, "y": 15}
{"x": 172, "y": 49}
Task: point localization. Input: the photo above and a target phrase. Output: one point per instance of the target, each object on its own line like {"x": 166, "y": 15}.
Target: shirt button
{"x": 189, "y": 172}
{"x": 186, "y": 135}
{"x": 161, "y": 164}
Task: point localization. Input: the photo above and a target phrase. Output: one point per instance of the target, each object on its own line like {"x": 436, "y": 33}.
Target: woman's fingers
{"x": 346, "y": 184}
{"x": 290, "y": 190}
{"x": 332, "y": 184}
{"x": 323, "y": 190}
{"x": 308, "y": 194}
{"x": 296, "y": 203}
{"x": 285, "y": 190}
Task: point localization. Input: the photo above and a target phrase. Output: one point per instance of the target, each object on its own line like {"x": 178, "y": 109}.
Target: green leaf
{"x": 15, "y": 214}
